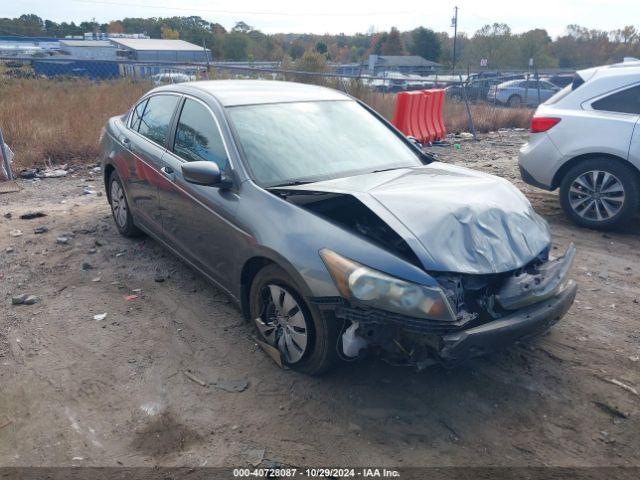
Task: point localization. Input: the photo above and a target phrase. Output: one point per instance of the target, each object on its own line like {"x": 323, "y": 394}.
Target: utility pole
{"x": 206, "y": 54}
{"x": 454, "y": 24}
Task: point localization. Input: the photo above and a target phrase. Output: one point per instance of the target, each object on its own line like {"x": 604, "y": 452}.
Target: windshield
{"x": 287, "y": 143}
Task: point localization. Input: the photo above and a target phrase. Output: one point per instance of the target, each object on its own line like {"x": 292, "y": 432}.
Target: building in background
{"x": 351, "y": 69}
{"x": 102, "y": 57}
{"x": 89, "y": 49}
{"x": 104, "y": 36}
{"x": 28, "y": 46}
{"x": 379, "y": 65}
{"x": 156, "y": 50}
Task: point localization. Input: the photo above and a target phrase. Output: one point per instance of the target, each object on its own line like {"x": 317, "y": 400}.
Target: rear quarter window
{"x": 624, "y": 101}
{"x": 136, "y": 115}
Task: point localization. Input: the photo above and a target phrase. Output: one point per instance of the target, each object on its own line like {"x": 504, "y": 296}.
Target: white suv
{"x": 586, "y": 140}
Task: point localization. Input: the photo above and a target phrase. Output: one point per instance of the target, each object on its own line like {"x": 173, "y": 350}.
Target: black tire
{"x": 515, "y": 101}
{"x": 123, "y": 219}
{"x": 626, "y": 175}
{"x": 320, "y": 354}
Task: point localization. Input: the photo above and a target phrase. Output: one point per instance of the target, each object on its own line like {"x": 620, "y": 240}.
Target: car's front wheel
{"x": 120, "y": 208}
{"x": 305, "y": 338}
{"x": 600, "y": 193}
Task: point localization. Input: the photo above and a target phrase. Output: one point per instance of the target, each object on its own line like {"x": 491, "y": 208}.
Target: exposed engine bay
{"x": 351, "y": 214}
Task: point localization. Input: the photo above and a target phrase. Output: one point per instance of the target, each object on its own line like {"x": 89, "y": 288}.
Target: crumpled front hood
{"x": 454, "y": 219}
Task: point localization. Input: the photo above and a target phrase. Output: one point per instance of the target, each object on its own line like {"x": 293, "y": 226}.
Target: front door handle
{"x": 168, "y": 172}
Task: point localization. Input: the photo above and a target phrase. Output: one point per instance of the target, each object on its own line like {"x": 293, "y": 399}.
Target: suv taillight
{"x": 542, "y": 124}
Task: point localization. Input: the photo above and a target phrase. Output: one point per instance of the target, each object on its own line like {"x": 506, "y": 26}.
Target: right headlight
{"x": 376, "y": 289}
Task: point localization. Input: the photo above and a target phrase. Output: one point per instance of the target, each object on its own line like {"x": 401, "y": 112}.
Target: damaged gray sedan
{"x": 336, "y": 236}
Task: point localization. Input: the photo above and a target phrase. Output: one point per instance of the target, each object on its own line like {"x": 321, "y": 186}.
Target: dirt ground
{"x": 79, "y": 391}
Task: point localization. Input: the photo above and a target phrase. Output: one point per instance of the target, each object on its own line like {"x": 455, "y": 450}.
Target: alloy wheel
{"x": 282, "y": 323}
{"x": 118, "y": 204}
{"x": 596, "y": 195}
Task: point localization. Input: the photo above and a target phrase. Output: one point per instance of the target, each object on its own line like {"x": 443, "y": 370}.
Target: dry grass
{"x": 486, "y": 118}
{"x": 383, "y": 103}
{"x": 61, "y": 119}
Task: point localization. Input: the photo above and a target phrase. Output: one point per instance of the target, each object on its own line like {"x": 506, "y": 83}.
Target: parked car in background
{"x": 586, "y": 141}
{"x": 560, "y": 80}
{"x": 171, "y": 77}
{"x": 476, "y": 88}
{"x": 330, "y": 229}
{"x": 519, "y": 93}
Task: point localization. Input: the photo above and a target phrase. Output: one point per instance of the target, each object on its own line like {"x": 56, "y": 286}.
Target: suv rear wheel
{"x": 600, "y": 193}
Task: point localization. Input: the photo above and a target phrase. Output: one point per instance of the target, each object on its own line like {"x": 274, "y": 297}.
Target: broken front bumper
{"x": 530, "y": 302}
{"x": 492, "y": 336}
{"x": 453, "y": 344}
{"x": 527, "y": 289}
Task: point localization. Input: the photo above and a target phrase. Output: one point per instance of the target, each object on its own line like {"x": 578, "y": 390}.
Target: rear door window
{"x": 156, "y": 119}
{"x": 625, "y": 101}
{"x": 198, "y": 136}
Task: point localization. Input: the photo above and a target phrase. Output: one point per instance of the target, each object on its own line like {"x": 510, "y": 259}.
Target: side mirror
{"x": 205, "y": 173}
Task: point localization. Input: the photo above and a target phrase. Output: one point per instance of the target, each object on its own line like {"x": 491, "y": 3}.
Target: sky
{"x": 347, "y": 16}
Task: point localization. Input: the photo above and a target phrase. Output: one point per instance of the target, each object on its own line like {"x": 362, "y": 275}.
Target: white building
{"x": 89, "y": 49}
{"x": 160, "y": 50}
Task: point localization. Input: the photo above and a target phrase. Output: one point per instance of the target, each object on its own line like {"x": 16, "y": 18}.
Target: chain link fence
{"x": 512, "y": 89}
{"x": 81, "y": 94}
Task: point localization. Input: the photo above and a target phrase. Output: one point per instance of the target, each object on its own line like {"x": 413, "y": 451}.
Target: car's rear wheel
{"x": 515, "y": 101}
{"x": 600, "y": 193}
{"x": 305, "y": 338}
{"x": 120, "y": 208}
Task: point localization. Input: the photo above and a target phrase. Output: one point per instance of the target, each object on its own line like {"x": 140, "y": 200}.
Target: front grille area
{"x": 371, "y": 316}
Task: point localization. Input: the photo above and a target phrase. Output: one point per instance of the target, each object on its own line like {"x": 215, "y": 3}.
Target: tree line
{"x": 578, "y": 47}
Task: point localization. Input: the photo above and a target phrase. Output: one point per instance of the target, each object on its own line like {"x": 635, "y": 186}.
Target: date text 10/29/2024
{"x": 316, "y": 472}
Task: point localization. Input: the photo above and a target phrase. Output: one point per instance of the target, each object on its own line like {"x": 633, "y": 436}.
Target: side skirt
{"x": 189, "y": 262}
